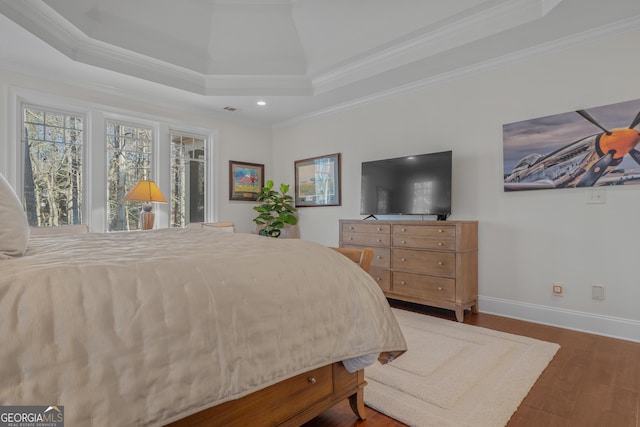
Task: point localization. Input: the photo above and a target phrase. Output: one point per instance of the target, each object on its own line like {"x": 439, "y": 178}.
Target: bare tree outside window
{"x": 53, "y": 184}
{"x": 187, "y": 179}
{"x": 128, "y": 161}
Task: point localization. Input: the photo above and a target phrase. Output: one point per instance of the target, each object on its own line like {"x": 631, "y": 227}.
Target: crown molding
{"x": 258, "y": 85}
{"x": 56, "y": 30}
{"x": 453, "y": 33}
{"x": 605, "y": 31}
{"x": 253, "y": 2}
{"x": 45, "y": 23}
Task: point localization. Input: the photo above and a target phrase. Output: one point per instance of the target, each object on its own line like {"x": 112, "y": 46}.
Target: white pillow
{"x": 14, "y": 226}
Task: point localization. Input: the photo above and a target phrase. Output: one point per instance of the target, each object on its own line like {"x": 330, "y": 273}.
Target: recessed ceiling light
{"x": 261, "y": 103}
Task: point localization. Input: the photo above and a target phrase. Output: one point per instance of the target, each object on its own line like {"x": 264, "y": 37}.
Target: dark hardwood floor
{"x": 591, "y": 381}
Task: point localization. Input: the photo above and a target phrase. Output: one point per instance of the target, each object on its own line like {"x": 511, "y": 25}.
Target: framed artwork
{"x": 584, "y": 148}
{"x": 318, "y": 181}
{"x": 245, "y": 180}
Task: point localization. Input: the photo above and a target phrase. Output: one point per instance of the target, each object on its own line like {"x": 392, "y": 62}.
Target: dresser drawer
{"x": 381, "y": 256}
{"x": 419, "y": 285}
{"x": 424, "y": 237}
{"x": 366, "y": 228}
{"x": 382, "y": 278}
{"x": 364, "y": 239}
{"x": 425, "y": 230}
{"x": 427, "y": 262}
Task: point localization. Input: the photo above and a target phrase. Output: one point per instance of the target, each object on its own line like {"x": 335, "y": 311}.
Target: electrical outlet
{"x": 557, "y": 289}
{"x": 597, "y": 292}
{"x": 595, "y": 195}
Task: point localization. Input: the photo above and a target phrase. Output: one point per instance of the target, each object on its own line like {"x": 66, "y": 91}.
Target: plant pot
{"x": 290, "y": 232}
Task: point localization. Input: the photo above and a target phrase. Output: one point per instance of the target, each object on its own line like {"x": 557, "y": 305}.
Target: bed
{"x": 187, "y": 326}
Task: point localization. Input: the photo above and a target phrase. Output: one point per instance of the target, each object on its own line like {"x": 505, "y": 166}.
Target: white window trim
{"x": 210, "y": 214}
{"x": 86, "y": 152}
{"x": 155, "y": 172}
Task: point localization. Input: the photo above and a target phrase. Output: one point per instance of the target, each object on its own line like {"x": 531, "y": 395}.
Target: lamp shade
{"x": 145, "y": 191}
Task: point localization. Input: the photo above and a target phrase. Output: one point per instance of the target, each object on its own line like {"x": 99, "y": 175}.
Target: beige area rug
{"x": 455, "y": 374}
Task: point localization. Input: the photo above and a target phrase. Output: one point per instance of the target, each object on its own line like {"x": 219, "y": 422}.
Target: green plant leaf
{"x": 275, "y": 209}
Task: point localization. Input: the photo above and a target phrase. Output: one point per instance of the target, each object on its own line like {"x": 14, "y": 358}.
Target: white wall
{"x": 528, "y": 240}
{"x": 232, "y": 141}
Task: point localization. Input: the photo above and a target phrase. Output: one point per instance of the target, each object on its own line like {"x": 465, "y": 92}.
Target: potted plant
{"x": 276, "y": 210}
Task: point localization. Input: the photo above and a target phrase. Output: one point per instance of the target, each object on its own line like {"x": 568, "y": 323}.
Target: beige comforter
{"x": 147, "y": 327}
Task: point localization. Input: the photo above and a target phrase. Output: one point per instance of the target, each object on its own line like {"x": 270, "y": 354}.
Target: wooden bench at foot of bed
{"x": 288, "y": 403}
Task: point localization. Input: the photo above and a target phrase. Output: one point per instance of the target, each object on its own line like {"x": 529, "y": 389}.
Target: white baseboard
{"x": 569, "y": 319}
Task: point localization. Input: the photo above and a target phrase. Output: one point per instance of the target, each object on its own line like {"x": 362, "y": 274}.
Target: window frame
{"x": 21, "y": 157}
{"x": 153, "y": 162}
{"x": 207, "y": 174}
{"x": 211, "y": 169}
{"x": 94, "y": 209}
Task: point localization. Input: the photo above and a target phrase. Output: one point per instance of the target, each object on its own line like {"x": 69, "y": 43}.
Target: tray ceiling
{"x": 326, "y": 52}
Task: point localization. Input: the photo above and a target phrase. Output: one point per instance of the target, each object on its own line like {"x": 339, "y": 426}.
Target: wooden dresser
{"x": 427, "y": 262}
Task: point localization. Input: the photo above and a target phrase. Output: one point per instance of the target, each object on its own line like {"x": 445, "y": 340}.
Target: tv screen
{"x": 411, "y": 185}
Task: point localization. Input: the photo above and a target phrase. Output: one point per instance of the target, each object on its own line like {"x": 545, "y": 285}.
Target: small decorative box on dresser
{"x": 427, "y": 262}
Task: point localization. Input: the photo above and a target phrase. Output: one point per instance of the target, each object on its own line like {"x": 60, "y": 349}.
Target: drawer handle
{"x": 404, "y": 229}
{"x": 350, "y": 228}
{"x": 311, "y": 380}
{"x": 440, "y": 230}
{"x": 402, "y": 282}
{"x": 378, "y": 240}
{"x": 379, "y": 257}
{"x": 379, "y": 279}
{"x": 439, "y": 288}
{"x": 404, "y": 242}
{"x": 403, "y": 259}
{"x": 350, "y": 238}
{"x": 440, "y": 263}
{"x": 379, "y": 229}
{"x": 440, "y": 243}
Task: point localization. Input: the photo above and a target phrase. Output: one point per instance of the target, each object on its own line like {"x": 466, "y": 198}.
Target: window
{"x": 73, "y": 162}
{"x": 187, "y": 179}
{"x": 128, "y": 161}
{"x": 53, "y": 184}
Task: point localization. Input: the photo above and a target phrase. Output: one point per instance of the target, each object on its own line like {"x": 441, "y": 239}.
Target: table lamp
{"x": 147, "y": 192}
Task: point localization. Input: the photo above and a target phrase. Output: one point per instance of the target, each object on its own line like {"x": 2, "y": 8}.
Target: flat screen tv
{"x": 411, "y": 185}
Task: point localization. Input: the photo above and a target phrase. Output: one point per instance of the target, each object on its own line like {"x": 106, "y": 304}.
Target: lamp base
{"x": 147, "y": 219}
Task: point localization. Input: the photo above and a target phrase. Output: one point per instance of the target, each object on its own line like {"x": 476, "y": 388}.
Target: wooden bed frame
{"x": 296, "y": 400}
{"x": 288, "y": 403}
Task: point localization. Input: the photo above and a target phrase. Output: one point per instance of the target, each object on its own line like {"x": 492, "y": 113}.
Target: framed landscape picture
{"x": 245, "y": 180}
{"x": 318, "y": 181}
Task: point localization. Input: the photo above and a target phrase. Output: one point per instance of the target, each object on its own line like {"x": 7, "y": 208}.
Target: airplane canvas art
{"x": 584, "y": 148}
